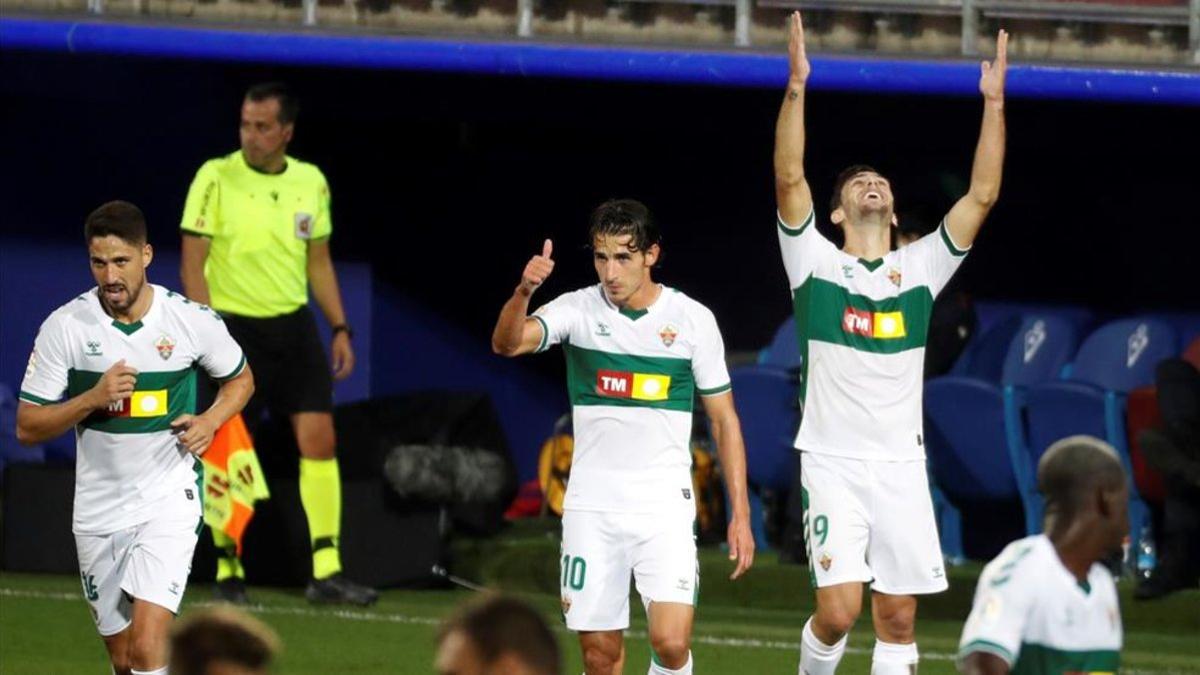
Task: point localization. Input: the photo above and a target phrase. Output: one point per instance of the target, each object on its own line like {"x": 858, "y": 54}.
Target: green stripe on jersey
{"x": 180, "y": 388}
{"x": 603, "y": 378}
{"x": 823, "y": 313}
{"x": 1036, "y": 659}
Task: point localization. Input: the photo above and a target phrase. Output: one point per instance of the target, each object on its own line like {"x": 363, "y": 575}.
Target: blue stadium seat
{"x": 1115, "y": 359}
{"x": 765, "y": 398}
{"x": 12, "y": 452}
{"x": 983, "y": 357}
{"x": 784, "y": 350}
{"x": 973, "y": 425}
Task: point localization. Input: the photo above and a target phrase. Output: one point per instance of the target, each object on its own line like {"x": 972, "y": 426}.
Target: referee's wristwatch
{"x": 342, "y": 328}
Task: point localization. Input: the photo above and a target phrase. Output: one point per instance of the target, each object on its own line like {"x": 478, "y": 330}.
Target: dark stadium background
{"x": 446, "y": 184}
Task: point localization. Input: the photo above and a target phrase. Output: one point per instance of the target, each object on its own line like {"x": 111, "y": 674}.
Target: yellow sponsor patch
{"x": 651, "y": 387}
{"x": 148, "y": 403}
{"x": 888, "y": 325}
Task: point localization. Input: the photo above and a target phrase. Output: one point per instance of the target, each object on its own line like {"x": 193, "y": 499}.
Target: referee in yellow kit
{"x": 256, "y": 233}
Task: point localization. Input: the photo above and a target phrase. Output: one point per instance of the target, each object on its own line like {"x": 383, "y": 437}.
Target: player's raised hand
{"x": 538, "y": 269}
{"x": 991, "y": 78}
{"x": 115, "y": 385}
{"x": 797, "y": 58}
{"x": 741, "y": 546}
{"x": 195, "y": 433}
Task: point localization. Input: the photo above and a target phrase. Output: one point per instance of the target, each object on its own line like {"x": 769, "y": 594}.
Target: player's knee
{"x": 834, "y": 622}
{"x": 317, "y": 443}
{"x": 672, "y": 650}
{"x": 146, "y": 651}
{"x": 121, "y": 663}
{"x": 895, "y": 623}
{"x": 600, "y": 659}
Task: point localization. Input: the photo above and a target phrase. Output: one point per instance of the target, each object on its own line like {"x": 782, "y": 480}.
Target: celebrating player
{"x": 637, "y": 353}
{"x": 125, "y": 356}
{"x": 862, "y": 313}
{"x": 1046, "y": 605}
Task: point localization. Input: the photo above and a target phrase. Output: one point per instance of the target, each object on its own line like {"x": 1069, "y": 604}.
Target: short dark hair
{"x": 221, "y": 635}
{"x": 619, "y": 217}
{"x": 1073, "y": 468}
{"x": 289, "y": 104}
{"x": 119, "y": 219}
{"x": 499, "y": 624}
{"x": 835, "y": 200}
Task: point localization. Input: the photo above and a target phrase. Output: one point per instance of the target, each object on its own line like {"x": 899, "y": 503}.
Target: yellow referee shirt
{"x": 260, "y": 226}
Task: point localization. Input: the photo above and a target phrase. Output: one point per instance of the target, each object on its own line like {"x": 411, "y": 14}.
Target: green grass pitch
{"x": 748, "y": 626}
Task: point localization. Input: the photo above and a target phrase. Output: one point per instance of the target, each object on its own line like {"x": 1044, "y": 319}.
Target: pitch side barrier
{"x": 576, "y": 61}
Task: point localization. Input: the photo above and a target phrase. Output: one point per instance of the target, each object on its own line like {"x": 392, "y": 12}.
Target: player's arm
{"x": 196, "y": 432}
{"x": 40, "y": 423}
{"x": 967, "y": 215}
{"x": 983, "y": 663}
{"x": 791, "y": 187}
{"x": 193, "y": 255}
{"x": 731, "y": 451}
{"x": 517, "y": 333}
{"x": 323, "y": 279}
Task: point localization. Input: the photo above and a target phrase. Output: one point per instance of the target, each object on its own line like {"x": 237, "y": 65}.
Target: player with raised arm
{"x": 1047, "y": 605}
{"x": 862, "y": 313}
{"x": 637, "y": 354}
{"x": 118, "y": 363}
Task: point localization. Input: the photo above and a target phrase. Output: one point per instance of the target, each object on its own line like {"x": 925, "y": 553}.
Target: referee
{"x": 256, "y": 233}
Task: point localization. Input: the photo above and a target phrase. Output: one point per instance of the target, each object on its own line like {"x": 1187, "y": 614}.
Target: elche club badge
{"x": 668, "y": 335}
{"x": 165, "y": 346}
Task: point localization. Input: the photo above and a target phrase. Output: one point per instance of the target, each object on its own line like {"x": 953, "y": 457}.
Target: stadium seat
{"x": 765, "y": 399}
{"x": 973, "y": 425}
{"x": 1114, "y": 360}
{"x": 784, "y": 350}
{"x": 983, "y": 358}
{"x": 10, "y": 450}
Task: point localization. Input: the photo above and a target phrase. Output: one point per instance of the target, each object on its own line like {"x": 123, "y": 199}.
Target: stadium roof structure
{"x": 732, "y": 68}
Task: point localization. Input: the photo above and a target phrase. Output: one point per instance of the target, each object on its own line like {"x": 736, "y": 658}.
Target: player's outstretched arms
{"x": 196, "y": 432}
{"x": 983, "y": 663}
{"x": 792, "y": 193}
{"x": 40, "y": 423}
{"x": 731, "y": 451}
{"x": 966, "y": 217}
{"x": 515, "y": 332}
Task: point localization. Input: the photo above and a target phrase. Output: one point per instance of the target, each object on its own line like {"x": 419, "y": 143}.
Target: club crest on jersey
{"x": 894, "y": 276}
{"x": 880, "y": 325}
{"x": 668, "y": 334}
{"x": 566, "y": 604}
{"x": 637, "y": 386}
{"x": 165, "y": 346}
{"x": 304, "y": 225}
{"x": 93, "y": 348}
{"x": 825, "y": 561}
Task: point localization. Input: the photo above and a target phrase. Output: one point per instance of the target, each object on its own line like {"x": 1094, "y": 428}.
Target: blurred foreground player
{"x": 497, "y": 635}
{"x": 222, "y": 641}
{"x": 1047, "y": 605}
{"x": 862, "y": 313}
{"x": 124, "y": 356}
{"x": 637, "y": 354}
{"x": 256, "y": 232}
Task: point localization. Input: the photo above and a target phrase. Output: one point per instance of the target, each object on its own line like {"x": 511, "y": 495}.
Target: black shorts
{"x": 291, "y": 371}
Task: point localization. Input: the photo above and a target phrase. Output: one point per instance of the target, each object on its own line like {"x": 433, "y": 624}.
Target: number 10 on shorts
{"x": 574, "y": 572}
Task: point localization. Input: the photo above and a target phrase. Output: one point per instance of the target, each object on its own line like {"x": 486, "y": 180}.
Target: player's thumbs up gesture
{"x": 538, "y": 269}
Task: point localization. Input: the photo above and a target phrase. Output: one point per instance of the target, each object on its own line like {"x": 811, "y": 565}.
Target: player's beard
{"x": 124, "y": 300}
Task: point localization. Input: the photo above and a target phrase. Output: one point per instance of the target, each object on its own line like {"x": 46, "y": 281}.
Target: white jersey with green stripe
{"x": 632, "y": 377}
{"x": 862, "y": 327}
{"x": 127, "y": 458}
{"x": 1036, "y": 615}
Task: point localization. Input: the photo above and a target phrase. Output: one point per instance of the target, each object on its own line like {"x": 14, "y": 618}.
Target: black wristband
{"x": 342, "y": 328}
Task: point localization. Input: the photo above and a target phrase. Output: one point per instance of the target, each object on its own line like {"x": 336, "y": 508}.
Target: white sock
{"x": 657, "y": 668}
{"x": 893, "y": 659}
{"x": 157, "y": 671}
{"x": 816, "y": 657}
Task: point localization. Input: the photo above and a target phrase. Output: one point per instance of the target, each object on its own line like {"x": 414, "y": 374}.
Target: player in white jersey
{"x": 862, "y": 313}
{"x": 637, "y": 354}
{"x": 1046, "y": 605}
{"x": 118, "y": 364}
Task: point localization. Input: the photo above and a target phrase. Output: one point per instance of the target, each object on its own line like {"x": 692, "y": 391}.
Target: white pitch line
{"x": 380, "y": 617}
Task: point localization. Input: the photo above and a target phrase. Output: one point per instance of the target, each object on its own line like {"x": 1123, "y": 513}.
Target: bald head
{"x": 1075, "y": 468}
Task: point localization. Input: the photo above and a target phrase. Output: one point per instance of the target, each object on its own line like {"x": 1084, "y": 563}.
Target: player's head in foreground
{"x": 222, "y": 641}
{"x": 625, "y": 247}
{"x": 116, "y": 239}
{"x": 862, "y": 199}
{"x": 497, "y": 635}
{"x": 1083, "y": 484}
{"x": 269, "y": 114}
